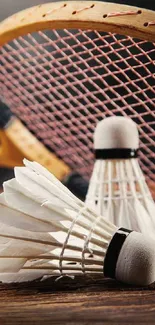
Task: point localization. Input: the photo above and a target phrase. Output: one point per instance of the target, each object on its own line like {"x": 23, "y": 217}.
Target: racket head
{"x": 67, "y": 65}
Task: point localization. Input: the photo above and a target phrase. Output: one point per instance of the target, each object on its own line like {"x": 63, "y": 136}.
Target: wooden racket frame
{"x": 102, "y": 16}
{"x": 16, "y": 140}
{"x": 18, "y": 143}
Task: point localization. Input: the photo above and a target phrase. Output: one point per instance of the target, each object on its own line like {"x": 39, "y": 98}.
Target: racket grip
{"x": 77, "y": 185}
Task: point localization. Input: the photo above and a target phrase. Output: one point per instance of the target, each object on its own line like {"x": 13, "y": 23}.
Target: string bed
{"x": 60, "y": 83}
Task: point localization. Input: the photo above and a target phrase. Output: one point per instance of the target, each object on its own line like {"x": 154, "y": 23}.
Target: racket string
{"x": 67, "y": 80}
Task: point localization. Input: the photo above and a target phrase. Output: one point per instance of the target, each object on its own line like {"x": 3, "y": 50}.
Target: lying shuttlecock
{"x": 118, "y": 189}
{"x": 39, "y": 222}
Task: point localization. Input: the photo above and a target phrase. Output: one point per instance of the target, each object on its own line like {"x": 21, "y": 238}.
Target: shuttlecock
{"x": 117, "y": 188}
{"x": 39, "y": 221}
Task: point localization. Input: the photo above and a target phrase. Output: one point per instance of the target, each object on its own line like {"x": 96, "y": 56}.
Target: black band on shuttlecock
{"x": 113, "y": 251}
{"x": 116, "y": 153}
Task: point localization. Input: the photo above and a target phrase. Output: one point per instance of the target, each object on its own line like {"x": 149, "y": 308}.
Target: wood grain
{"x": 80, "y": 301}
{"x": 80, "y": 14}
{"x": 17, "y": 143}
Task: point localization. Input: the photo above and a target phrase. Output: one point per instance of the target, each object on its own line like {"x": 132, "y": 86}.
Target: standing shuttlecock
{"x": 39, "y": 221}
{"x": 118, "y": 189}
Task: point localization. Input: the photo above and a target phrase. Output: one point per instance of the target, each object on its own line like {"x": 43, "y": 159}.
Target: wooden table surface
{"x": 80, "y": 301}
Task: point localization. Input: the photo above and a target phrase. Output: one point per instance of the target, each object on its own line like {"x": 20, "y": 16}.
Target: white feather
{"x": 46, "y": 230}
{"x": 15, "y": 198}
{"x": 42, "y": 189}
{"x": 14, "y": 217}
{"x": 21, "y": 276}
{"x": 117, "y": 187}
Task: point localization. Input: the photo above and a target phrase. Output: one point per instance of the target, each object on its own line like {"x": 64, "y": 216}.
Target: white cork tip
{"x": 136, "y": 261}
{"x": 116, "y": 132}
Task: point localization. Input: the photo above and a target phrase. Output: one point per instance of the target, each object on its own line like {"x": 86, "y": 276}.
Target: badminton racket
{"x": 64, "y": 67}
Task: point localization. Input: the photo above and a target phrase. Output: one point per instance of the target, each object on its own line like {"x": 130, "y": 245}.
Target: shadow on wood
{"x": 83, "y": 300}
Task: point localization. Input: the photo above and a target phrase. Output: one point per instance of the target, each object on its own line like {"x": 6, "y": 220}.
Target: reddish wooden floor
{"x": 82, "y": 301}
